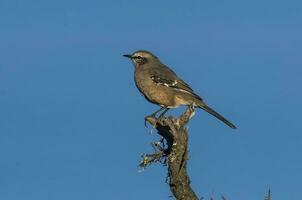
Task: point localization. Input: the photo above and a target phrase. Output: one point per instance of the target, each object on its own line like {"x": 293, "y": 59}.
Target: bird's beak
{"x": 127, "y": 55}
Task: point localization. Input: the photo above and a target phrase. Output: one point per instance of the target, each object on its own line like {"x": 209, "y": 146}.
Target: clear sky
{"x": 71, "y": 119}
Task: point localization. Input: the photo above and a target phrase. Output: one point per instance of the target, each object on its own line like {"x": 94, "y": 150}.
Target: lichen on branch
{"x": 173, "y": 152}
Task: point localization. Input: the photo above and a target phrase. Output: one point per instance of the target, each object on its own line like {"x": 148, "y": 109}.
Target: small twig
{"x": 268, "y": 197}
{"x": 148, "y": 159}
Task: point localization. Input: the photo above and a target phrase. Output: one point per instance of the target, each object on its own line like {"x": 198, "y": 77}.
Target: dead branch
{"x": 175, "y": 155}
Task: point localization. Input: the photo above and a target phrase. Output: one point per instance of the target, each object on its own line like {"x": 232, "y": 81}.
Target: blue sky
{"x": 71, "y": 120}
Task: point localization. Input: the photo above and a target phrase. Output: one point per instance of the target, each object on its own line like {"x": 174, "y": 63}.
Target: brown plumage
{"x": 161, "y": 86}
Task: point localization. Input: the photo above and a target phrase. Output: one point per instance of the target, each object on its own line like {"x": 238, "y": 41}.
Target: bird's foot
{"x": 145, "y": 120}
{"x": 151, "y": 119}
{"x": 161, "y": 117}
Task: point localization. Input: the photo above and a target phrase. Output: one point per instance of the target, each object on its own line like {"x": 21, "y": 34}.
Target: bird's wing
{"x": 166, "y": 77}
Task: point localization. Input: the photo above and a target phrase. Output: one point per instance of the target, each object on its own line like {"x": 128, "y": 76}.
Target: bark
{"x": 173, "y": 151}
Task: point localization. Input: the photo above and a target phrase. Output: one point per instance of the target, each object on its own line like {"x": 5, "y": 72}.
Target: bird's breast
{"x": 153, "y": 92}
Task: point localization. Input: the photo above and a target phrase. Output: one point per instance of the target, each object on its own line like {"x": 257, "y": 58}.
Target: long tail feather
{"x": 217, "y": 115}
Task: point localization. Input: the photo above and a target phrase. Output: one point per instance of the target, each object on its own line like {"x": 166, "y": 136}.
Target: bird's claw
{"x": 151, "y": 119}
{"x": 146, "y": 121}
{"x": 161, "y": 116}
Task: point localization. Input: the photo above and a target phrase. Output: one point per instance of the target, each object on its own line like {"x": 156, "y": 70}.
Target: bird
{"x": 160, "y": 85}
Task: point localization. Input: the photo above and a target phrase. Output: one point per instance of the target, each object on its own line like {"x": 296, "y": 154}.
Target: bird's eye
{"x": 139, "y": 57}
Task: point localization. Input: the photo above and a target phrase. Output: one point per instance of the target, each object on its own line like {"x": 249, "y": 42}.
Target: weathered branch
{"x": 172, "y": 151}
{"x": 175, "y": 155}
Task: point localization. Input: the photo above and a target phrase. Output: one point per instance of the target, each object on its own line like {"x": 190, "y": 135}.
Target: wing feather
{"x": 166, "y": 77}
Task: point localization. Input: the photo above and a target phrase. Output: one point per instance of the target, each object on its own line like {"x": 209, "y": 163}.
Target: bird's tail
{"x": 215, "y": 114}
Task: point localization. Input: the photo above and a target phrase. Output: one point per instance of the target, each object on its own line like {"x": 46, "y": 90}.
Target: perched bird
{"x": 161, "y": 86}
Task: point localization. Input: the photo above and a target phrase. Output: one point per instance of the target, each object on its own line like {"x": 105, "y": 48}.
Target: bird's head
{"x": 141, "y": 57}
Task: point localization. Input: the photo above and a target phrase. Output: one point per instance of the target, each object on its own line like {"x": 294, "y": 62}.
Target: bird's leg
{"x": 163, "y": 113}
{"x": 153, "y": 115}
